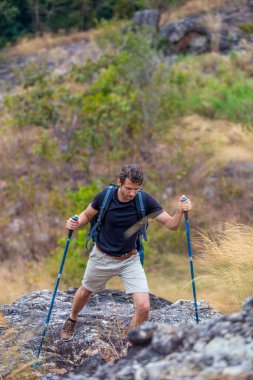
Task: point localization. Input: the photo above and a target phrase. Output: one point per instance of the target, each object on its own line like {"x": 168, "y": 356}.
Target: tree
{"x": 8, "y": 26}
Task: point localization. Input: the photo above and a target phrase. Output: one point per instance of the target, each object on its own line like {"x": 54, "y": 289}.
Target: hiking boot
{"x": 67, "y": 332}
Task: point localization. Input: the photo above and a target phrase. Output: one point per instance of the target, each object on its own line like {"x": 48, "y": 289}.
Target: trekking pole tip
{"x": 34, "y": 365}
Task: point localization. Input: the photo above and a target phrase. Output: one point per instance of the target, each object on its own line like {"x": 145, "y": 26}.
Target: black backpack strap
{"x": 140, "y": 201}
{"x": 141, "y": 210}
{"x": 102, "y": 211}
{"x": 106, "y": 202}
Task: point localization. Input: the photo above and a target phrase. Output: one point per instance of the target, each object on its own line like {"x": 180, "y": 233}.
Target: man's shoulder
{"x": 151, "y": 203}
{"x": 100, "y": 197}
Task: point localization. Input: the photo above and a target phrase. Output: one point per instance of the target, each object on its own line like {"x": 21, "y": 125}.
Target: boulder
{"x": 149, "y": 17}
{"x": 186, "y": 36}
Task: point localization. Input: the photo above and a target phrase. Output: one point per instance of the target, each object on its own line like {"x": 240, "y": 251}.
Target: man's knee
{"x": 143, "y": 308}
{"x": 83, "y": 292}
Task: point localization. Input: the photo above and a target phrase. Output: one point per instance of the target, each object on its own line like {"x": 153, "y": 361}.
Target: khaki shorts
{"x": 100, "y": 268}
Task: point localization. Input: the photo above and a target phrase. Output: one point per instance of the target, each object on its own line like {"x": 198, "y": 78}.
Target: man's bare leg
{"x": 81, "y": 297}
{"x": 142, "y": 308}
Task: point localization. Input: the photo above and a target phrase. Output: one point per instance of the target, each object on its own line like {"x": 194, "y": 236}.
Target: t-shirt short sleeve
{"x": 152, "y": 206}
{"x": 96, "y": 203}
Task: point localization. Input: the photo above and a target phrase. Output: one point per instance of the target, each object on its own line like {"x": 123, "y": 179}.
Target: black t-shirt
{"x": 119, "y": 217}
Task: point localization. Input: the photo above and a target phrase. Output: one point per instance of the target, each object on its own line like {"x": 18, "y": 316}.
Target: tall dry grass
{"x": 17, "y": 279}
{"x": 214, "y": 24}
{"x": 227, "y": 261}
{"x": 14, "y": 364}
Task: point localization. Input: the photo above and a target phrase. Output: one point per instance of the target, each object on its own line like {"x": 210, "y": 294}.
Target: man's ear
{"x": 118, "y": 182}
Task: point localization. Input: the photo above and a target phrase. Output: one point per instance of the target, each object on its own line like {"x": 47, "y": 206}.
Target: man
{"x": 114, "y": 254}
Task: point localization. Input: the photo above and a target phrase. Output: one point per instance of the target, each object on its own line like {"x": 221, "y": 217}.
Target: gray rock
{"x": 142, "y": 335}
{"x": 149, "y": 17}
{"x": 194, "y": 34}
{"x": 186, "y": 36}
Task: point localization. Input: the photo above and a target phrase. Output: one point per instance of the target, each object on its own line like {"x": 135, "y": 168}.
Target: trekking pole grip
{"x": 71, "y": 231}
{"x": 183, "y": 199}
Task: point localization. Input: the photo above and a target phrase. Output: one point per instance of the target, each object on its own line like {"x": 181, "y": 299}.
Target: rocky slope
{"x": 101, "y": 333}
{"x": 220, "y": 349}
{"x": 170, "y": 346}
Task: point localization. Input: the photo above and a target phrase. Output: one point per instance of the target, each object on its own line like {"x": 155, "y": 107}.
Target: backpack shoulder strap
{"x": 106, "y": 201}
{"x": 109, "y": 192}
{"x": 140, "y": 201}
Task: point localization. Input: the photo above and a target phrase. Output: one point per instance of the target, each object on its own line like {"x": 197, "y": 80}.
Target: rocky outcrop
{"x": 101, "y": 332}
{"x": 217, "y": 30}
{"x": 186, "y": 36}
{"x": 170, "y": 346}
{"x": 149, "y": 17}
{"x": 220, "y": 349}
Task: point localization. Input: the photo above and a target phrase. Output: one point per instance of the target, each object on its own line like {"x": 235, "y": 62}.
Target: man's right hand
{"x": 72, "y": 224}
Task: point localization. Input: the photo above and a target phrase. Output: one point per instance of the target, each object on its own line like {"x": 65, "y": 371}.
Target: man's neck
{"x": 120, "y": 198}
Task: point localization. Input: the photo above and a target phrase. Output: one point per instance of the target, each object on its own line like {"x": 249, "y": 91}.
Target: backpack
{"x": 96, "y": 222}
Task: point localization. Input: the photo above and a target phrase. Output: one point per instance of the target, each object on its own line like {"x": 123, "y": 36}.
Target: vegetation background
{"x": 64, "y": 136}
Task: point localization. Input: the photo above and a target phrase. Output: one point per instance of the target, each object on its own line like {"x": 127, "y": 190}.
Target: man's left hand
{"x": 184, "y": 203}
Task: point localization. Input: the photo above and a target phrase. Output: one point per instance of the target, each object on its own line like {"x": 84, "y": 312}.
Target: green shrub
{"x": 46, "y": 147}
{"x": 247, "y": 28}
{"x": 77, "y": 256}
{"x": 75, "y": 260}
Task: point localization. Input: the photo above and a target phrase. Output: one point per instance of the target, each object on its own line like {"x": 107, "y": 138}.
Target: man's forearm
{"x": 175, "y": 221}
{"x": 83, "y": 219}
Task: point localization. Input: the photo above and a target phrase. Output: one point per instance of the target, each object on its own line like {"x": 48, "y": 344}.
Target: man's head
{"x": 130, "y": 180}
{"x": 133, "y": 172}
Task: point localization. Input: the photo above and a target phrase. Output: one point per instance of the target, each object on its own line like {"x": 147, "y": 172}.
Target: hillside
{"x": 73, "y": 114}
{"x": 170, "y": 89}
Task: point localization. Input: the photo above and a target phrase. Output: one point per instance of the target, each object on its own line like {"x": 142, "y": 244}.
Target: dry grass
{"x": 221, "y": 140}
{"x": 196, "y": 6}
{"x": 112, "y": 342}
{"x": 19, "y": 279}
{"x": 40, "y": 45}
{"x": 244, "y": 60}
{"x": 214, "y": 24}
{"x": 14, "y": 363}
{"x": 227, "y": 261}
{"x": 223, "y": 270}
{"x": 28, "y": 46}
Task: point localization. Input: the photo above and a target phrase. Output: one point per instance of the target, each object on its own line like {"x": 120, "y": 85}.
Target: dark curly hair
{"x": 132, "y": 172}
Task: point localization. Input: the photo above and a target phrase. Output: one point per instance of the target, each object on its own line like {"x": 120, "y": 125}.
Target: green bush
{"x": 77, "y": 256}
{"x": 247, "y": 27}
{"x": 75, "y": 263}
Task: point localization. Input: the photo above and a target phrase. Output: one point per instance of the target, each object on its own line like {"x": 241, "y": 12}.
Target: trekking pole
{"x": 55, "y": 291}
{"x": 187, "y": 227}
